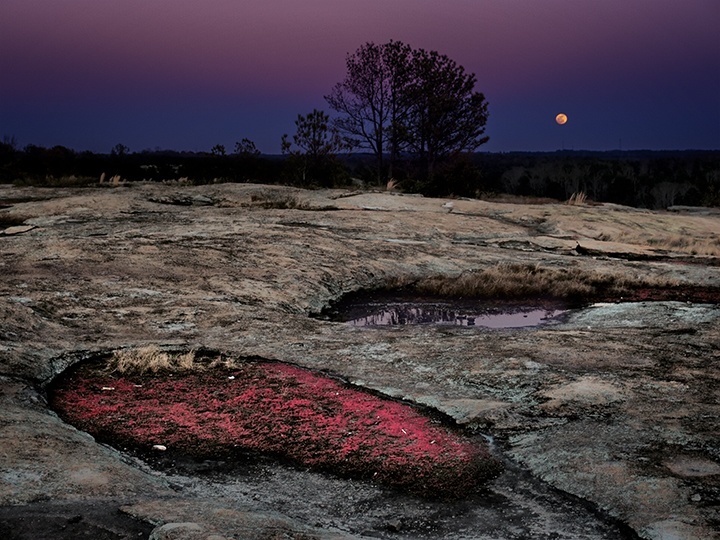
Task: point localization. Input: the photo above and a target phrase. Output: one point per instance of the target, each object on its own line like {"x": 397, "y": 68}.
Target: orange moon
{"x": 561, "y": 118}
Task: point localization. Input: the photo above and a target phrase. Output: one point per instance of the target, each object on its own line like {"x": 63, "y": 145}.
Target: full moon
{"x": 561, "y": 118}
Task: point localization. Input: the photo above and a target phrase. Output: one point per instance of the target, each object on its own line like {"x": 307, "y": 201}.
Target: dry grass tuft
{"x": 694, "y": 245}
{"x": 707, "y": 245}
{"x": 274, "y": 199}
{"x": 152, "y": 359}
{"x": 113, "y": 180}
{"x": 142, "y": 359}
{"x": 525, "y": 281}
{"x": 279, "y": 199}
{"x": 579, "y": 198}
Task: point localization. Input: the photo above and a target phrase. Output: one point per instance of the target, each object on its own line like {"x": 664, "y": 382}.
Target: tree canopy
{"x": 395, "y": 99}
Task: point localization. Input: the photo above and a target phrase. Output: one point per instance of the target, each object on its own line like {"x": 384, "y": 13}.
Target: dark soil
{"x": 10, "y": 221}
{"x": 513, "y": 506}
{"x": 680, "y": 293}
{"x": 70, "y": 521}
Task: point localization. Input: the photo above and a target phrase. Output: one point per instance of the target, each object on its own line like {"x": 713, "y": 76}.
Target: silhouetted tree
{"x": 666, "y": 194}
{"x": 8, "y": 157}
{"x": 246, "y": 162}
{"x": 119, "y": 150}
{"x": 447, "y": 115}
{"x": 372, "y": 99}
{"x": 395, "y": 99}
{"x": 218, "y": 150}
{"x": 316, "y": 144}
{"x": 9, "y": 143}
{"x": 246, "y": 148}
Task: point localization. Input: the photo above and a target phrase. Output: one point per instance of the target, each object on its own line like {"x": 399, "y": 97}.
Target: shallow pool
{"x": 484, "y": 314}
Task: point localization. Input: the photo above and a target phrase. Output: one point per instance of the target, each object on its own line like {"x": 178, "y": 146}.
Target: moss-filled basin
{"x": 276, "y": 409}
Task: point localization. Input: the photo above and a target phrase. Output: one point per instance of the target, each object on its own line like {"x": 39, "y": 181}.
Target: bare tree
{"x": 666, "y": 193}
{"x": 396, "y": 99}
{"x": 370, "y": 99}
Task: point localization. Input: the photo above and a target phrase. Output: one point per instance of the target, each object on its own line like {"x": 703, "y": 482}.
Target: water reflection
{"x": 447, "y": 314}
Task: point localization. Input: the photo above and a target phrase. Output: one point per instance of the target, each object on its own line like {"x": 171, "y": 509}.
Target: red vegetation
{"x": 280, "y": 410}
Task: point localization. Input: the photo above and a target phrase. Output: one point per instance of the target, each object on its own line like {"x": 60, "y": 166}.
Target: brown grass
{"x": 282, "y": 200}
{"x": 528, "y": 281}
{"x": 673, "y": 242}
{"x": 113, "y": 180}
{"x": 276, "y": 199}
{"x": 142, "y": 360}
{"x": 152, "y": 359}
{"x": 578, "y": 198}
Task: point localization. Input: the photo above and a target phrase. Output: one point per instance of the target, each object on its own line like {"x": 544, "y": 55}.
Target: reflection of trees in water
{"x": 410, "y": 314}
{"x": 402, "y": 315}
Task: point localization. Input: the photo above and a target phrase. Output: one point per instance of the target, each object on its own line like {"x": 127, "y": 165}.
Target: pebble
{"x": 159, "y": 447}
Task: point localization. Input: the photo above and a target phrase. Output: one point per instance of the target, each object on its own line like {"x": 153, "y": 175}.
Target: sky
{"x": 190, "y": 74}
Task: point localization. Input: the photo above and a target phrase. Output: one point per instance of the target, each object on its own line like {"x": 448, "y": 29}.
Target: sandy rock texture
{"x": 616, "y": 408}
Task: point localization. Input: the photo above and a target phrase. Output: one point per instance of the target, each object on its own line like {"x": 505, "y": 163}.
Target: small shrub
{"x": 271, "y": 199}
{"x": 282, "y": 200}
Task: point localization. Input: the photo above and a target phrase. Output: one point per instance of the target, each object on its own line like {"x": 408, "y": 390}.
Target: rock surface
{"x": 619, "y": 405}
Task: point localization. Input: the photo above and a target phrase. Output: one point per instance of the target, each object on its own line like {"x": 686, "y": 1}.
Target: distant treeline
{"x": 645, "y": 179}
{"x": 648, "y": 179}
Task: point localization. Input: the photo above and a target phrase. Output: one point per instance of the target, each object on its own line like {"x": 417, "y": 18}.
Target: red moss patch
{"x": 280, "y": 410}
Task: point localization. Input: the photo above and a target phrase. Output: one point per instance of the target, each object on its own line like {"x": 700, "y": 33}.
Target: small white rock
{"x": 159, "y": 447}
{"x": 108, "y": 388}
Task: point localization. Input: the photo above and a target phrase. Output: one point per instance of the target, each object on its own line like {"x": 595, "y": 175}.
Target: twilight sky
{"x": 189, "y": 74}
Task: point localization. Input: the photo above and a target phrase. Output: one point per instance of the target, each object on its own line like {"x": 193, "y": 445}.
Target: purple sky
{"x": 188, "y": 74}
